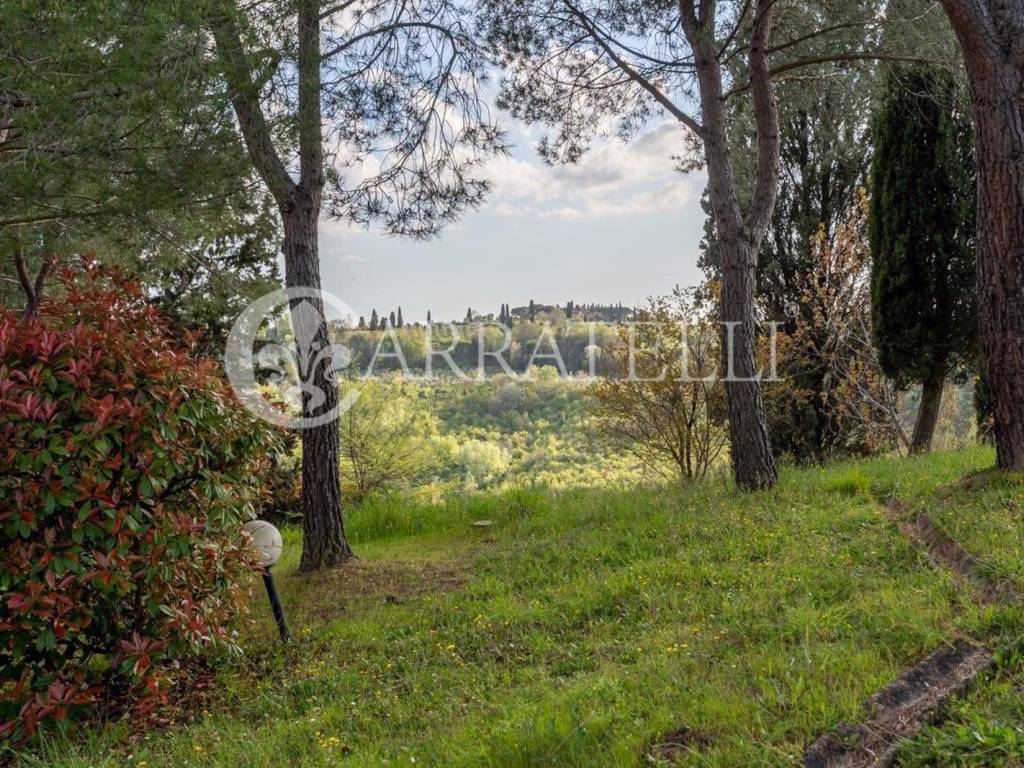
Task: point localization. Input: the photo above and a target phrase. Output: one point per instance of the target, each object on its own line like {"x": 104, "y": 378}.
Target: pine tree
{"x": 374, "y": 322}
{"x": 922, "y": 234}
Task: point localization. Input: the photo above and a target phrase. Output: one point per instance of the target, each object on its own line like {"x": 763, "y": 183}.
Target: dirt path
{"x": 900, "y": 710}
{"x": 945, "y": 552}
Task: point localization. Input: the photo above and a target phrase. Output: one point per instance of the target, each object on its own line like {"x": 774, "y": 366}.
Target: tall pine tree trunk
{"x": 928, "y": 412}
{"x": 753, "y": 465}
{"x": 997, "y": 92}
{"x": 739, "y": 238}
{"x": 991, "y": 34}
{"x": 323, "y": 543}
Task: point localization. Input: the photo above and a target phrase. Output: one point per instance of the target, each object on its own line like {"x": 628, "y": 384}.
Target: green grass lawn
{"x": 985, "y": 513}
{"x": 588, "y": 628}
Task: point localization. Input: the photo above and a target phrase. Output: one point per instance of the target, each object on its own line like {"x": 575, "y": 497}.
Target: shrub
{"x": 126, "y": 468}
{"x": 666, "y": 406}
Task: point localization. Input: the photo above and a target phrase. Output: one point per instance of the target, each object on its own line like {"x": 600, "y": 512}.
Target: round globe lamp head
{"x": 266, "y": 540}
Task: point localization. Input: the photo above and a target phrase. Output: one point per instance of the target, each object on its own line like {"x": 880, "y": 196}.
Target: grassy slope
{"x": 583, "y": 626}
{"x": 985, "y": 513}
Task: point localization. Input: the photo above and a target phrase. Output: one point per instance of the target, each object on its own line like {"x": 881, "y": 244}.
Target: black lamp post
{"x": 267, "y": 542}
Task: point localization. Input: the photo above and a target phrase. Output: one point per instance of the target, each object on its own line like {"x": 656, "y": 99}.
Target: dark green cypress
{"x": 921, "y": 229}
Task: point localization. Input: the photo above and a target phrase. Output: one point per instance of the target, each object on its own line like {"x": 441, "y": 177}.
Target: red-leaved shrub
{"x": 126, "y": 470}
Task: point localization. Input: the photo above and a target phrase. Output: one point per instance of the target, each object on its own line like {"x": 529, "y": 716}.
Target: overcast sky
{"x": 620, "y": 226}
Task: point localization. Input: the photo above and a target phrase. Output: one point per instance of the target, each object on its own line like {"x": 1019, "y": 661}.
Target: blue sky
{"x": 621, "y": 225}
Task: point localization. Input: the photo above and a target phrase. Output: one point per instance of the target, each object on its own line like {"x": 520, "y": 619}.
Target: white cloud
{"x": 613, "y": 179}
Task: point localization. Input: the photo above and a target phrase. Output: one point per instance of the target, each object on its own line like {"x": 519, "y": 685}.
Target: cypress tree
{"x": 921, "y": 229}
{"x": 400, "y": 321}
{"x": 362, "y": 323}
{"x": 391, "y": 320}
{"x": 429, "y": 321}
{"x": 374, "y": 322}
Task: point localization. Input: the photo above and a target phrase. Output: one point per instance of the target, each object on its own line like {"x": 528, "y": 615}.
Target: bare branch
{"x": 835, "y": 58}
{"x": 634, "y": 75}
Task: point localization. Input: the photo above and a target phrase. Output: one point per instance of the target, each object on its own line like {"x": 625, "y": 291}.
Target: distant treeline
{"x": 506, "y": 315}
{"x": 571, "y": 348}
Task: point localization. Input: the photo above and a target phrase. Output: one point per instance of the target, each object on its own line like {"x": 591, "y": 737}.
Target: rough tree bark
{"x": 324, "y": 543}
{"x": 928, "y": 411}
{"x": 739, "y": 235}
{"x": 991, "y": 35}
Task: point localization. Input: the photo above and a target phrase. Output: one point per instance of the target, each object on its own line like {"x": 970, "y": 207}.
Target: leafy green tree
{"x": 825, "y": 157}
{"x": 922, "y": 237}
{"x": 384, "y": 441}
{"x": 109, "y": 143}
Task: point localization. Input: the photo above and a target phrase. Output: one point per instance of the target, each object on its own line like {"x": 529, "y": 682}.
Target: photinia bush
{"x": 126, "y": 470}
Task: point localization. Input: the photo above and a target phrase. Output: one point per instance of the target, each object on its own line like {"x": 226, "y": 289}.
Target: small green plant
{"x": 853, "y": 482}
{"x": 980, "y": 743}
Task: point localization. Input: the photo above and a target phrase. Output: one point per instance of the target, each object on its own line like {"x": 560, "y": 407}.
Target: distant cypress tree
{"x": 921, "y": 230}
{"x": 428, "y": 317}
{"x": 569, "y": 308}
{"x": 532, "y": 310}
{"x": 400, "y": 321}
{"x": 391, "y": 319}
{"x": 469, "y": 315}
{"x": 374, "y": 322}
{"x": 362, "y": 323}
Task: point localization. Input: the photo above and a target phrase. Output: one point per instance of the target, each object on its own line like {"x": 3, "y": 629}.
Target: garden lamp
{"x": 267, "y": 542}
